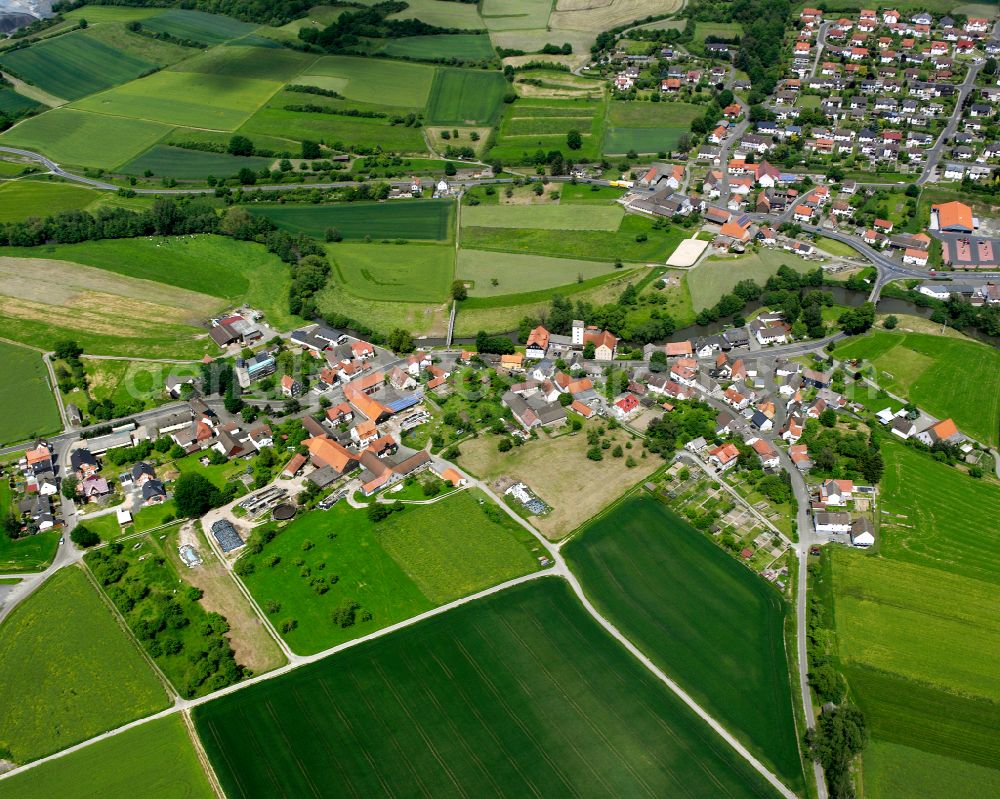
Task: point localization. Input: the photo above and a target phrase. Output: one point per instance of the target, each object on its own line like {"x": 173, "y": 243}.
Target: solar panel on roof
{"x": 226, "y": 535}
{"x": 402, "y": 403}
{"x": 744, "y": 221}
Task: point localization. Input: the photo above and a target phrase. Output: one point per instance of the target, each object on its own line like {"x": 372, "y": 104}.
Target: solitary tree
{"x": 574, "y": 140}
{"x": 84, "y": 537}
{"x": 458, "y": 290}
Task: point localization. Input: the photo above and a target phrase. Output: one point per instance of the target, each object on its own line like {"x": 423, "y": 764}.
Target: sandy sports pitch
{"x": 687, "y": 253}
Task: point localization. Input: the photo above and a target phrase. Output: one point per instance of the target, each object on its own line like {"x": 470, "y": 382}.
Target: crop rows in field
{"x": 424, "y": 219}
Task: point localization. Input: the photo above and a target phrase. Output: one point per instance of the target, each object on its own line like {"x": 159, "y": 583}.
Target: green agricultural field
{"x": 177, "y": 162}
{"x": 441, "y": 13}
{"x": 530, "y": 125}
{"x": 404, "y": 272}
{"x": 101, "y": 14}
{"x": 543, "y": 217}
{"x": 13, "y": 103}
{"x": 421, "y": 318}
{"x": 714, "y": 277}
{"x": 518, "y": 694}
{"x": 892, "y": 771}
{"x": 80, "y": 138}
{"x": 921, "y": 624}
{"x": 197, "y": 25}
{"x": 465, "y": 97}
{"x": 118, "y": 37}
{"x": 25, "y": 198}
{"x": 707, "y": 620}
{"x": 428, "y": 220}
{"x": 340, "y": 132}
{"x": 723, "y": 30}
{"x": 235, "y": 271}
{"x": 27, "y": 405}
{"x": 587, "y": 194}
{"x": 647, "y": 127}
{"x": 261, "y": 63}
{"x": 515, "y": 273}
{"x": 86, "y": 676}
{"x": 924, "y": 529}
{"x": 73, "y": 65}
{"x": 463, "y": 46}
{"x": 155, "y": 759}
{"x": 422, "y": 557}
{"x": 196, "y": 99}
{"x": 395, "y": 83}
{"x": 946, "y": 377}
{"x": 598, "y": 245}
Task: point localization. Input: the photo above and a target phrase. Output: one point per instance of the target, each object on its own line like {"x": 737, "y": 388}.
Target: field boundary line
{"x": 199, "y": 750}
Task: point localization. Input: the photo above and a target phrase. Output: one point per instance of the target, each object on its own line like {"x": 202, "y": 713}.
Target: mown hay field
{"x": 463, "y": 46}
{"x": 73, "y": 65}
{"x": 427, "y": 220}
{"x": 395, "y": 83}
{"x": 515, "y": 273}
{"x": 519, "y": 693}
{"x": 707, "y": 620}
{"x": 546, "y": 217}
{"x": 154, "y": 759}
{"x": 63, "y": 631}
{"x": 408, "y": 272}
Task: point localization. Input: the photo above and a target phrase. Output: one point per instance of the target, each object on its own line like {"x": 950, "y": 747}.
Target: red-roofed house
{"x": 724, "y": 457}
{"x": 625, "y": 407}
{"x": 537, "y": 344}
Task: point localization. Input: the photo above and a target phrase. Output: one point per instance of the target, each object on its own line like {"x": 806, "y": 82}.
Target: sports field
{"x": 25, "y": 198}
{"x": 463, "y": 46}
{"x": 408, "y": 272}
{"x": 427, "y": 220}
{"x": 85, "y": 675}
{"x": 73, "y": 65}
{"x": 952, "y": 377}
{"x": 713, "y": 277}
{"x": 177, "y": 162}
{"x": 27, "y": 405}
{"x": 518, "y": 694}
{"x": 196, "y": 99}
{"x": 543, "y": 217}
{"x": 154, "y": 759}
{"x": 704, "y": 618}
{"x": 515, "y": 274}
{"x": 921, "y": 526}
{"x": 390, "y": 82}
{"x": 465, "y": 97}
{"x": 420, "y": 558}
{"x": 234, "y": 271}
{"x": 197, "y": 25}
{"x": 80, "y": 138}
{"x": 647, "y": 127}
{"x": 598, "y": 245}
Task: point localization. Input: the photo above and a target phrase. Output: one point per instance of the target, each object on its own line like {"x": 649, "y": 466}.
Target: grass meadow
{"x": 441, "y": 14}
{"x": 261, "y": 63}
{"x": 703, "y": 617}
{"x": 713, "y": 277}
{"x": 420, "y": 558}
{"x": 532, "y": 124}
{"x": 27, "y": 405}
{"x": 85, "y": 675}
{"x": 74, "y": 65}
{"x": 428, "y": 220}
{"x": 597, "y": 245}
{"x": 409, "y": 272}
{"x": 340, "y": 132}
{"x": 197, "y": 25}
{"x": 195, "y": 99}
{"x": 647, "y": 127}
{"x": 892, "y": 771}
{"x": 80, "y": 138}
{"x": 155, "y": 759}
{"x": 177, "y": 162}
{"x": 543, "y": 217}
{"x": 30, "y": 554}
{"x": 515, "y": 274}
{"x": 520, "y": 693}
{"x": 21, "y": 199}
{"x": 946, "y": 377}
{"x": 465, "y": 97}
{"x": 501, "y": 15}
